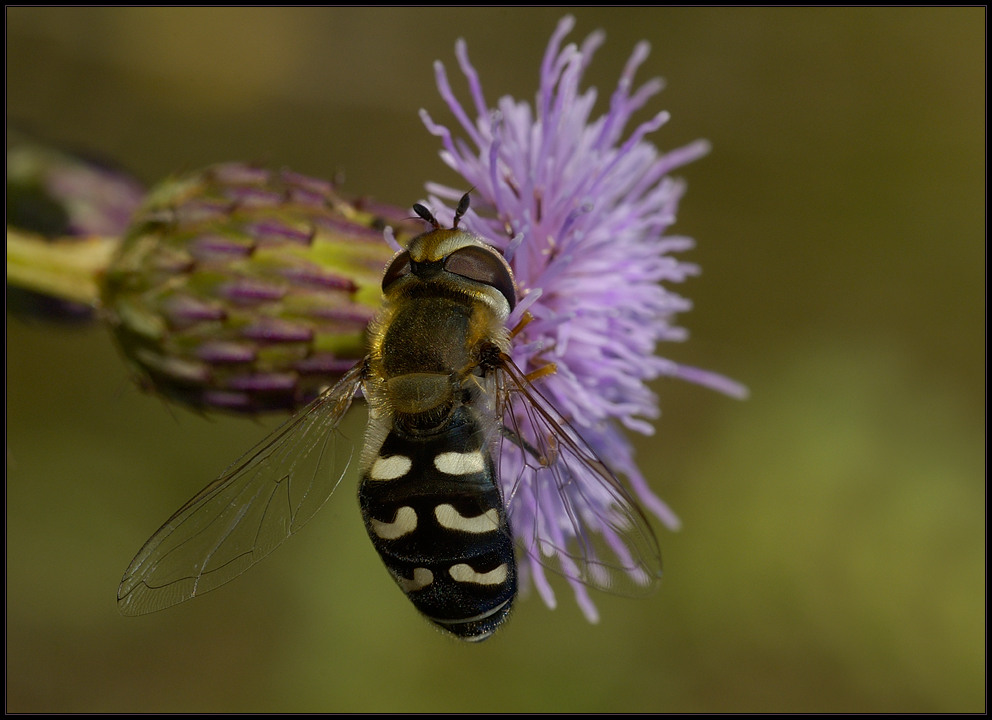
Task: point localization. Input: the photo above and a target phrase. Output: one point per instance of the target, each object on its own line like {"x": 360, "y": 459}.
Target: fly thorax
{"x": 415, "y": 393}
{"x": 421, "y": 403}
{"x": 427, "y": 336}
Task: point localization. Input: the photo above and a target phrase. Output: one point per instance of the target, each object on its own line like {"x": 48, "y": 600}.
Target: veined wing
{"x": 239, "y": 518}
{"x": 568, "y": 511}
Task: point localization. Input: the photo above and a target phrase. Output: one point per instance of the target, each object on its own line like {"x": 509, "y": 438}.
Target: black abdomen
{"x": 435, "y": 514}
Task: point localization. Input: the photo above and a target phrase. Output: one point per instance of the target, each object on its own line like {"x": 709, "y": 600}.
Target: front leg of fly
{"x": 434, "y": 512}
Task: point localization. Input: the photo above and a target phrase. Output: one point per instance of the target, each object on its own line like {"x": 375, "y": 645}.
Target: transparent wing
{"x": 239, "y": 518}
{"x": 568, "y": 511}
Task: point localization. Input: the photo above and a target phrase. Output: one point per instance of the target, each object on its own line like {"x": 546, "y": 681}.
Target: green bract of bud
{"x": 245, "y": 289}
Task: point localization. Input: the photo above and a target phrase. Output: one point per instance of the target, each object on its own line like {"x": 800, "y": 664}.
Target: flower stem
{"x": 68, "y": 269}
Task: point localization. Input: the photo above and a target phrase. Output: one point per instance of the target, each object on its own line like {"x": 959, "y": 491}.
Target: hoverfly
{"x": 466, "y": 466}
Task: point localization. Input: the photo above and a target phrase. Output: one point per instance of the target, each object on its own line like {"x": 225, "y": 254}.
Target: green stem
{"x": 69, "y": 269}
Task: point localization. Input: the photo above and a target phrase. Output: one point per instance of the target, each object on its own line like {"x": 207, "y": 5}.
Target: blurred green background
{"x": 833, "y": 550}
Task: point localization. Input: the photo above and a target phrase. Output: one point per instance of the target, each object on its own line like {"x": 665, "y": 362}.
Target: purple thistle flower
{"x": 580, "y": 212}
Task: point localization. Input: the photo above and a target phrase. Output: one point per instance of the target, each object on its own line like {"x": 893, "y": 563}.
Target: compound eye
{"x": 483, "y": 266}
{"x": 398, "y": 268}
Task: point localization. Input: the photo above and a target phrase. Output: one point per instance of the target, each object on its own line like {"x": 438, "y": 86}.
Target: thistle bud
{"x": 244, "y": 289}
{"x": 59, "y": 197}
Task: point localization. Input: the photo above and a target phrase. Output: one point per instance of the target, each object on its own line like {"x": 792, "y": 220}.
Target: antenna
{"x": 461, "y": 209}
{"x": 427, "y": 215}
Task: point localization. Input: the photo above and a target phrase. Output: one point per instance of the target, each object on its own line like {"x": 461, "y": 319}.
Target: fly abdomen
{"x": 434, "y": 513}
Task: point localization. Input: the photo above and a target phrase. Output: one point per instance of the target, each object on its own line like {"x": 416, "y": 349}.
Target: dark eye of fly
{"x": 484, "y": 266}
{"x": 399, "y": 267}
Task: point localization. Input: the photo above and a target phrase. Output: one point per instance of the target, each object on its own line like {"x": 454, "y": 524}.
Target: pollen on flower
{"x": 581, "y": 206}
